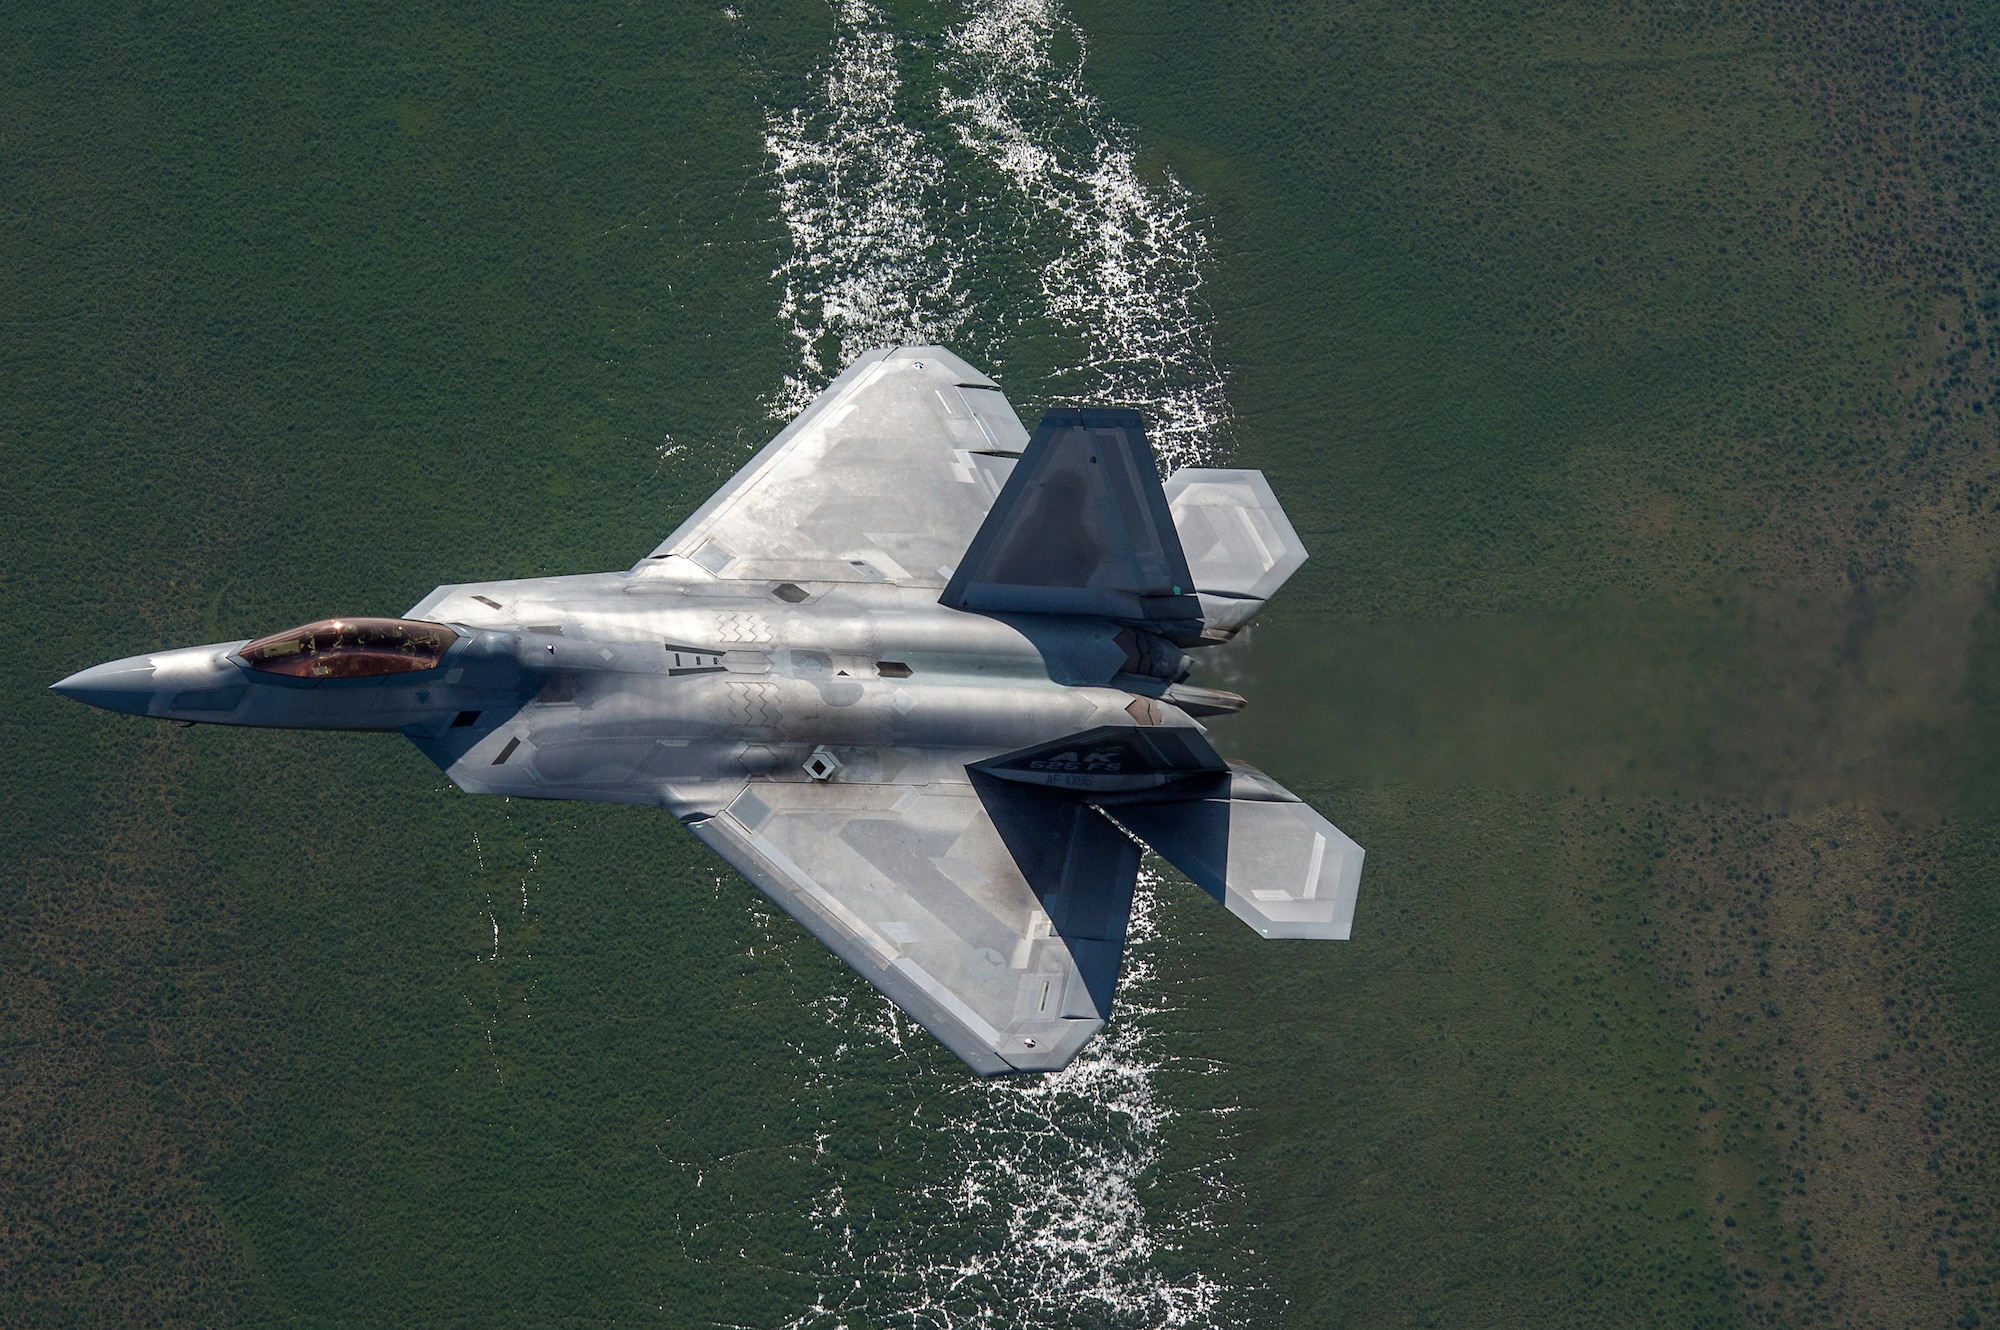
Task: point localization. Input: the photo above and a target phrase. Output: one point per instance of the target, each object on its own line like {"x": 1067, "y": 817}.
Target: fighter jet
{"x": 918, "y": 675}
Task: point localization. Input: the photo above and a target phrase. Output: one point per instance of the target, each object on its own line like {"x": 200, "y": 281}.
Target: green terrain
{"x": 1629, "y": 376}
{"x": 1628, "y": 373}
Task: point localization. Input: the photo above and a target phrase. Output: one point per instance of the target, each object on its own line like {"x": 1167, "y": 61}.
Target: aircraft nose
{"x": 117, "y": 685}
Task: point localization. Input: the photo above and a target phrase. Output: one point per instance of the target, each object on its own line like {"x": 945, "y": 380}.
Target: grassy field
{"x": 1627, "y": 372}
{"x": 309, "y": 311}
{"x": 1628, "y": 375}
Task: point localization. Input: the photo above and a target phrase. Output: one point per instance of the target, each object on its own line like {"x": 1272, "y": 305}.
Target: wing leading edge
{"x": 993, "y": 914}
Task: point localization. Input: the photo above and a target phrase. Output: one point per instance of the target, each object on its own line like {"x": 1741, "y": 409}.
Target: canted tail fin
{"x": 1082, "y": 527}
{"x": 1253, "y": 845}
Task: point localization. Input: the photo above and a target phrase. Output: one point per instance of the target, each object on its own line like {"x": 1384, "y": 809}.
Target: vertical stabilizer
{"x": 1082, "y": 527}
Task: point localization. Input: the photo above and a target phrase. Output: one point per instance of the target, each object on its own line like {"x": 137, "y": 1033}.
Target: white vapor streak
{"x": 1021, "y": 184}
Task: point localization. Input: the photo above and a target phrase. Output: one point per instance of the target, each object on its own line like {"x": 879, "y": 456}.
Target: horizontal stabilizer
{"x": 1082, "y": 527}
{"x": 1279, "y": 866}
{"x": 1240, "y": 547}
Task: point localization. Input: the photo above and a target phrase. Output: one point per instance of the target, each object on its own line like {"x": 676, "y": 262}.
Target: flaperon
{"x": 914, "y": 673}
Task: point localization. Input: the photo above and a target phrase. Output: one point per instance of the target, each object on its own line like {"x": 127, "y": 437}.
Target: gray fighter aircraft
{"x": 918, "y": 676}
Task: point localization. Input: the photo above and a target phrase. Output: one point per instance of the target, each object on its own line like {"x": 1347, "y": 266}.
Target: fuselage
{"x": 915, "y": 674}
{"x": 645, "y": 687}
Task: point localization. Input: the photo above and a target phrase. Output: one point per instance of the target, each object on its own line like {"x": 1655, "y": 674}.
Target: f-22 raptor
{"x": 917, "y": 675}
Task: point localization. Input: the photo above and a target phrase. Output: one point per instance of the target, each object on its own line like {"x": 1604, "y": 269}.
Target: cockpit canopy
{"x": 351, "y": 648}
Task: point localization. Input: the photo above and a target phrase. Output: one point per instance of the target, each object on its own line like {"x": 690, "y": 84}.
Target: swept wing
{"x": 994, "y": 914}
{"x": 886, "y": 477}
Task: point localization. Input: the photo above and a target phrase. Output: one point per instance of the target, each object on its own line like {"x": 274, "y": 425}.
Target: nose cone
{"x": 154, "y": 685}
{"x": 118, "y": 685}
